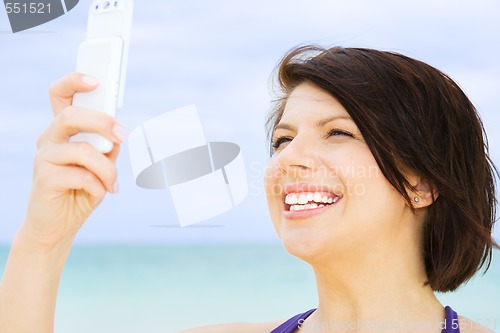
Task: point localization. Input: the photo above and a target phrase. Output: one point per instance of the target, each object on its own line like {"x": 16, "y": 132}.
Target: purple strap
{"x": 293, "y": 323}
{"x": 450, "y": 322}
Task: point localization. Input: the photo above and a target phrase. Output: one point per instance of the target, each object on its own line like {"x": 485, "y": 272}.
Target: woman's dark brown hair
{"x": 412, "y": 115}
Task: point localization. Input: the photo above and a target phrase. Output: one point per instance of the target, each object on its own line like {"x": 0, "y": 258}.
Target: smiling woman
{"x": 379, "y": 178}
{"x": 380, "y": 242}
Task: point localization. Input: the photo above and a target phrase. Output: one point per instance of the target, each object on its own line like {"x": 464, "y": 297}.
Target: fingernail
{"x": 89, "y": 80}
{"x": 120, "y": 133}
{"x": 116, "y": 188}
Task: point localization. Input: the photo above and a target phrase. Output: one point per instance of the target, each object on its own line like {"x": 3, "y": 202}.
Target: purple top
{"x": 289, "y": 326}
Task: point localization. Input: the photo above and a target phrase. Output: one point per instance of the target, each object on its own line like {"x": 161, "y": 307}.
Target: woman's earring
{"x": 417, "y": 199}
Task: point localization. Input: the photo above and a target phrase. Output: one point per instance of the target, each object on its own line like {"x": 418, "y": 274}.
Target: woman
{"x": 379, "y": 178}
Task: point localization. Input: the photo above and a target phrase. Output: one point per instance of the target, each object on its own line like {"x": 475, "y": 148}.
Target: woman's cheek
{"x": 273, "y": 189}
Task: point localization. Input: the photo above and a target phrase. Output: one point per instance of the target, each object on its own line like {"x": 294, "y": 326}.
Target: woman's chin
{"x": 303, "y": 245}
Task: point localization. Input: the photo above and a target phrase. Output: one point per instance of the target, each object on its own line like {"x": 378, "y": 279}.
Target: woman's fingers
{"x": 66, "y": 178}
{"x": 113, "y": 154}
{"x": 73, "y": 120}
{"x": 56, "y": 150}
{"x": 78, "y": 178}
{"x": 62, "y": 91}
{"x": 83, "y": 155}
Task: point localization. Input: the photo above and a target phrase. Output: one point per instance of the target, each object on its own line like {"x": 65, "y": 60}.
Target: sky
{"x": 219, "y": 55}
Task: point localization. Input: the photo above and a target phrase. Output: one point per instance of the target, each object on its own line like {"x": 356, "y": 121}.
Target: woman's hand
{"x": 70, "y": 178}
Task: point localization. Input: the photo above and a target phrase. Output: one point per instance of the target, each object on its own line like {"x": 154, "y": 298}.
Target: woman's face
{"x": 326, "y": 194}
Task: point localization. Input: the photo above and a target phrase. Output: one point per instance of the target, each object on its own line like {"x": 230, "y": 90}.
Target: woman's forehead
{"x": 307, "y": 101}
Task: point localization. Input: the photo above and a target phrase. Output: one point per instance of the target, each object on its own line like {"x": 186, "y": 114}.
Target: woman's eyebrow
{"x": 319, "y": 123}
{"x": 325, "y": 121}
{"x": 284, "y": 126}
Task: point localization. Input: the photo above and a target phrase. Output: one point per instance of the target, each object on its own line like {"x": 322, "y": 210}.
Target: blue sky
{"x": 219, "y": 55}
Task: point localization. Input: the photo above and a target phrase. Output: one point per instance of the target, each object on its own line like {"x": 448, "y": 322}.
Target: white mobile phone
{"x": 103, "y": 55}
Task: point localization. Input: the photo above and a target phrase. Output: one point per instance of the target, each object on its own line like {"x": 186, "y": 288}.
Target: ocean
{"x": 162, "y": 289}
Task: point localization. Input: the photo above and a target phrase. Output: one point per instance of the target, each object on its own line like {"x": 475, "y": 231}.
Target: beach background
{"x": 164, "y": 288}
{"x": 133, "y": 268}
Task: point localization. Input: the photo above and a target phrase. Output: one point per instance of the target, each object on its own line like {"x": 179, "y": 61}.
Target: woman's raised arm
{"x": 70, "y": 179}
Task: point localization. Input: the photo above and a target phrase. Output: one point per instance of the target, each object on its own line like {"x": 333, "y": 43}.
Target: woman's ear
{"x": 422, "y": 194}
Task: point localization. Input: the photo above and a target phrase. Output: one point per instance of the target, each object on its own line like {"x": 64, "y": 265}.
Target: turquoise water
{"x": 166, "y": 288}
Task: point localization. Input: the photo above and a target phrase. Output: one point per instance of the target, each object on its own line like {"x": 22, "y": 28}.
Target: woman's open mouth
{"x": 302, "y": 201}
{"x": 309, "y": 200}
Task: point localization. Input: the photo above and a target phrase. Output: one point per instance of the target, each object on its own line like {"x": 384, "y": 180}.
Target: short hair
{"x": 412, "y": 115}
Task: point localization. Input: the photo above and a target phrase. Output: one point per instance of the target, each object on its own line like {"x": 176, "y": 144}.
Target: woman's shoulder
{"x": 236, "y": 327}
{"x": 470, "y": 326}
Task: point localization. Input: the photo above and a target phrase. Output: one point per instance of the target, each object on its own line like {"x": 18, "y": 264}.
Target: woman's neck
{"x": 375, "y": 292}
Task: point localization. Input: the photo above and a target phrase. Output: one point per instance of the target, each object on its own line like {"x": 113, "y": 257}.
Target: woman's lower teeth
{"x": 306, "y": 206}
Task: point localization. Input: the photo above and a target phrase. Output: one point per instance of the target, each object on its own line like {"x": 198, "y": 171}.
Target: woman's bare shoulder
{"x": 236, "y": 327}
{"x": 470, "y": 326}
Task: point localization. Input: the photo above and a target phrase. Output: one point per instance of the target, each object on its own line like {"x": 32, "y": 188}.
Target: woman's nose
{"x": 297, "y": 156}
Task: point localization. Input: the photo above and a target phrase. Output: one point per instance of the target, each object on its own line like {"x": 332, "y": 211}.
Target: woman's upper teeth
{"x": 305, "y": 197}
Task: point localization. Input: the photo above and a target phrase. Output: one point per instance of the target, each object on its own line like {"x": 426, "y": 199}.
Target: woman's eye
{"x": 337, "y": 132}
{"x": 280, "y": 140}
